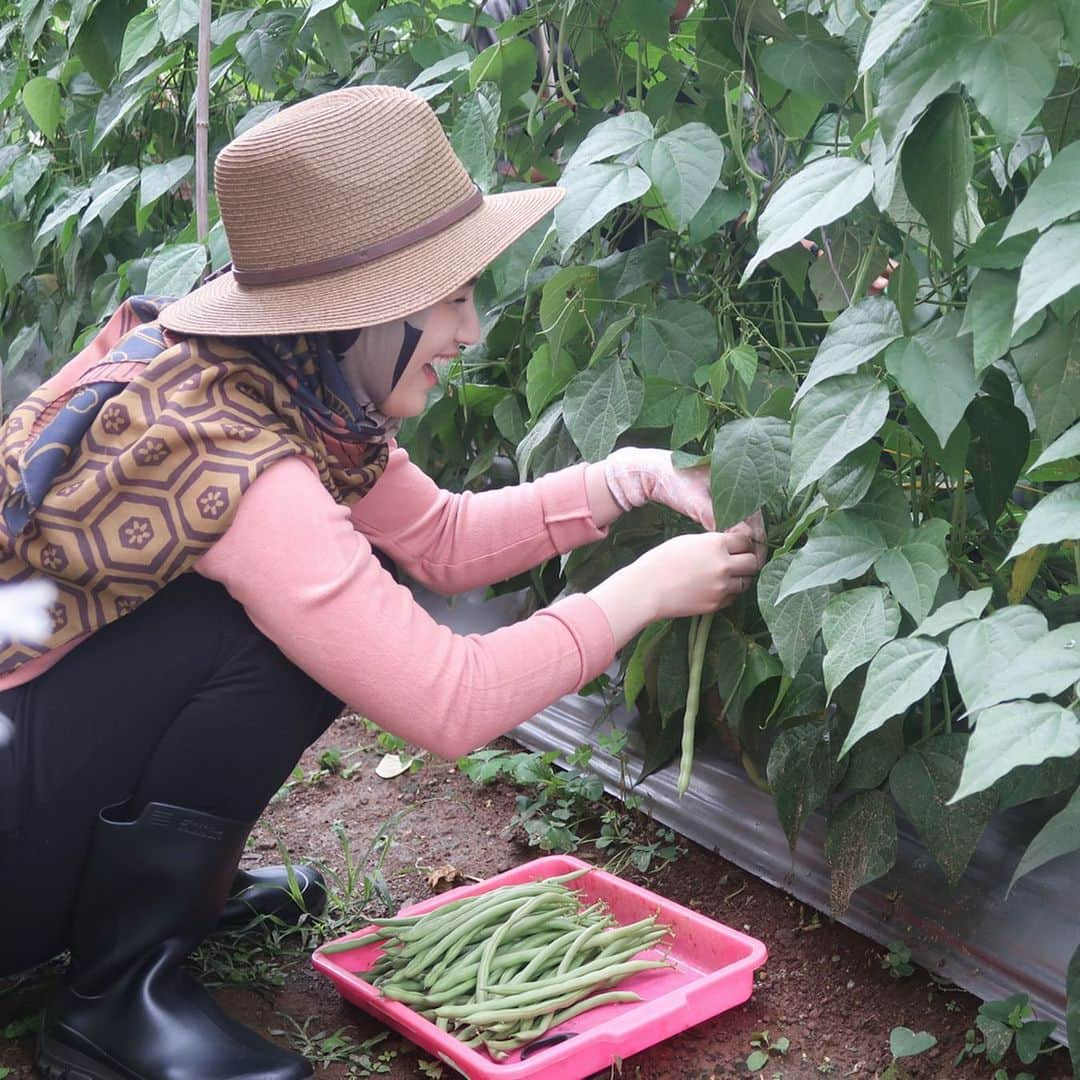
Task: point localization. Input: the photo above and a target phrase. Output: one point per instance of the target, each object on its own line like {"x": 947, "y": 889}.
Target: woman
{"x": 205, "y": 484}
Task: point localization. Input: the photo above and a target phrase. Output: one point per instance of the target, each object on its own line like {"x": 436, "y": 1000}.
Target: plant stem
{"x": 927, "y": 718}
{"x": 947, "y": 702}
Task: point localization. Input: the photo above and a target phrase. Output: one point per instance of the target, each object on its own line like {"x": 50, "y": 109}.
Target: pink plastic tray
{"x": 713, "y": 971}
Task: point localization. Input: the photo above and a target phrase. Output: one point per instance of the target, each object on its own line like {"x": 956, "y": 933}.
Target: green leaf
{"x": 750, "y": 463}
{"x": 976, "y": 648}
{"x": 627, "y": 271}
{"x": 915, "y": 568}
{"x": 69, "y": 205}
{"x": 592, "y": 192}
{"x": 1066, "y": 446}
{"x": 563, "y": 304}
{"x": 691, "y": 419}
{"x": 858, "y": 334}
{"x": 872, "y": 758}
{"x": 744, "y": 361}
{"x": 936, "y": 371}
{"x": 1054, "y": 518}
{"x": 1008, "y": 76}
{"x": 844, "y": 545}
{"x": 970, "y": 606}
{"x": 816, "y": 69}
{"x": 1049, "y": 366}
{"x": 899, "y": 675}
{"x": 115, "y": 106}
{"x": 41, "y": 98}
{"x": 756, "y": 1061}
{"x": 175, "y": 269}
{"x": 1059, "y": 836}
{"x": 685, "y": 166}
{"x": 156, "y": 180}
{"x": 16, "y": 251}
{"x": 1054, "y": 194}
{"x": 886, "y": 508}
{"x": 111, "y": 191}
{"x": 855, "y": 625}
{"x": 511, "y": 64}
{"x": 647, "y": 642}
{"x": 890, "y": 22}
{"x": 951, "y": 457}
{"x": 936, "y": 163}
{"x": 844, "y": 484}
{"x": 794, "y": 622}
{"x": 620, "y": 135}
{"x": 860, "y": 844}
{"x": 1017, "y": 733}
{"x": 674, "y": 341}
{"x": 1047, "y": 665}
{"x": 903, "y": 1042}
{"x": 800, "y": 773}
{"x": 922, "y": 782}
{"x": 176, "y": 18}
{"x": 262, "y": 49}
{"x": 546, "y": 427}
{"x": 647, "y": 18}
{"x": 1030, "y": 1037}
{"x": 999, "y": 447}
{"x": 473, "y": 137}
{"x": 834, "y": 419}
{"x": 923, "y": 65}
{"x": 673, "y": 671}
{"x": 317, "y": 8}
{"x": 1051, "y": 269}
{"x": 448, "y": 65}
{"x": 988, "y": 316}
{"x": 140, "y": 36}
{"x": 611, "y": 337}
{"x": 817, "y": 195}
{"x": 600, "y": 403}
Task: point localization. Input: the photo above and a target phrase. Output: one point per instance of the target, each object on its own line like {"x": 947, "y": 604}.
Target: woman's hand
{"x": 688, "y": 575}
{"x": 694, "y": 575}
{"x": 636, "y": 476}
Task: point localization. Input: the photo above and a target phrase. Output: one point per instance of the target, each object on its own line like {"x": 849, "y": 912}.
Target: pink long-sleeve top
{"x": 302, "y": 566}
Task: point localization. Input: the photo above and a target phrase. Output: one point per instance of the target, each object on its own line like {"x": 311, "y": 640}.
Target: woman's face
{"x": 451, "y": 323}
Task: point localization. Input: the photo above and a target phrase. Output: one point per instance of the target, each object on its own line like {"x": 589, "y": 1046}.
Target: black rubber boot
{"x": 151, "y": 891}
{"x": 256, "y": 894}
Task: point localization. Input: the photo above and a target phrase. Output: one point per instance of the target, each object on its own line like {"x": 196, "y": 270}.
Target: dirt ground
{"x": 824, "y": 988}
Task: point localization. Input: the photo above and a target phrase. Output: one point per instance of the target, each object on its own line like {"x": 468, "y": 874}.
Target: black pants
{"x": 183, "y": 701}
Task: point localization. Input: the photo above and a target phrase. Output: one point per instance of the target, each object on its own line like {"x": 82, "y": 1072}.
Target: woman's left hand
{"x": 636, "y": 476}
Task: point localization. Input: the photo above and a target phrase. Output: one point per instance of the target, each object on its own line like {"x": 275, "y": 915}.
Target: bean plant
{"x": 830, "y": 247}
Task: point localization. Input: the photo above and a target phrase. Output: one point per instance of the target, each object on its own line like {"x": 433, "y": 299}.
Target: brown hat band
{"x": 366, "y": 254}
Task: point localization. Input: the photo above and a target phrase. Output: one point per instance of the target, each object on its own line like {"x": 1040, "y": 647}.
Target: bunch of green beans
{"x": 499, "y": 969}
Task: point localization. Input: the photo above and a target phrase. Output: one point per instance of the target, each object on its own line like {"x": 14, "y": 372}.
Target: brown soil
{"x": 823, "y": 987}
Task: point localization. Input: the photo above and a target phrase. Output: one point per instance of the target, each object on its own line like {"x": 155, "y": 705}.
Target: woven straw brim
{"x": 379, "y": 291}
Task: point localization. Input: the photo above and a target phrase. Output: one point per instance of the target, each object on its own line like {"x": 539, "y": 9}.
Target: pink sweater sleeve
{"x": 455, "y": 542}
{"x": 309, "y": 581}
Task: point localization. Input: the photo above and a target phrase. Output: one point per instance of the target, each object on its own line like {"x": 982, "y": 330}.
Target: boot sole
{"x": 57, "y": 1061}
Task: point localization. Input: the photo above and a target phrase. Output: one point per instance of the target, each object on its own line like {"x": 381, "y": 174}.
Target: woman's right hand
{"x": 688, "y": 575}
{"x": 700, "y": 573}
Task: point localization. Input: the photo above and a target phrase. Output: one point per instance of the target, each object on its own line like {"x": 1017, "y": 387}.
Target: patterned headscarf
{"x": 116, "y": 485}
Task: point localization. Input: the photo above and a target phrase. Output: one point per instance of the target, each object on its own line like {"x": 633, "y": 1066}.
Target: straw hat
{"x": 344, "y": 211}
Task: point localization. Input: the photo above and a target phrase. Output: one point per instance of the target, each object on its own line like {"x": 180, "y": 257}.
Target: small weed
{"x": 25, "y": 1025}
{"x": 325, "y": 1048}
{"x": 897, "y": 961}
{"x": 760, "y": 1057}
{"x": 262, "y": 961}
{"x": 1005, "y": 1024}
{"x": 564, "y": 809}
